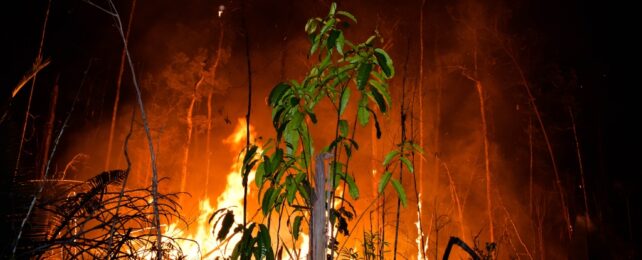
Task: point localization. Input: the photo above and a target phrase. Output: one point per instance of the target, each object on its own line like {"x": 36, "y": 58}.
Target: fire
{"x": 198, "y": 241}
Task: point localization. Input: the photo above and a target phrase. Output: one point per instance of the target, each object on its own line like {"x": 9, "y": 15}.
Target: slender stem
{"x": 403, "y": 141}
{"x": 489, "y": 200}
{"x": 119, "y": 80}
{"x": 209, "y": 107}
{"x": 249, "y": 104}
{"x": 33, "y": 83}
{"x": 150, "y": 143}
{"x": 549, "y": 146}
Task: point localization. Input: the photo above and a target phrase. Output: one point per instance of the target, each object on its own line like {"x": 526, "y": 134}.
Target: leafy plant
{"x": 344, "y": 71}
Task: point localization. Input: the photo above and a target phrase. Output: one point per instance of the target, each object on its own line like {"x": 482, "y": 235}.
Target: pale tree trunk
{"x": 581, "y": 167}
{"x": 119, "y": 80}
{"x": 208, "y": 140}
{"x": 190, "y": 127}
{"x": 420, "y": 192}
{"x": 489, "y": 200}
{"x": 318, "y": 234}
{"x": 549, "y": 146}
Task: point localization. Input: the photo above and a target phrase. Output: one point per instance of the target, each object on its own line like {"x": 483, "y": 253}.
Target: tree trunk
{"x": 318, "y": 234}
{"x": 489, "y": 200}
{"x": 119, "y": 80}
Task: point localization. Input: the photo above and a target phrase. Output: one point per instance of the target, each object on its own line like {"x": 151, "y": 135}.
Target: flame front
{"x": 199, "y": 241}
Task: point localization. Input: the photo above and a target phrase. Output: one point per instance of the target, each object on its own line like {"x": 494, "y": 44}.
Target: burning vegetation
{"x": 312, "y": 130}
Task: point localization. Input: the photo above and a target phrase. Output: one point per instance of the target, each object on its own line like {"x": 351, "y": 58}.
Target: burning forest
{"x": 247, "y": 129}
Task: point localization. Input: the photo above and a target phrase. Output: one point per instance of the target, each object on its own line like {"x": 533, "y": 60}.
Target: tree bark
{"x": 318, "y": 234}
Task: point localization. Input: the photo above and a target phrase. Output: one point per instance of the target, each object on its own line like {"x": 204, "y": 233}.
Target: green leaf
{"x": 363, "y": 115}
{"x": 385, "y": 178}
{"x": 382, "y": 87}
{"x": 417, "y": 148}
{"x": 333, "y": 9}
{"x": 296, "y": 227}
{"x": 363, "y": 74}
{"x": 389, "y": 157}
{"x": 313, "y": 117}
{"x": 376, "y": 121}
{"x": 311, "y": 26}
{"x": 344, "y": 101}
{"x": 277, "y": 158}
{"x": 277, "y": 93}
{"x": 328, "y": 25}
{"x": 400, "y": 192}
{"x": 313, "y": 49}
{"x": 340, "y": 43}
{"x": 349, "y": 15}
{"x": 381, "y": 102}
{"x": 265, "y": 243}
{"x": 408, "y": 164}
{"x": 303, "y": 188}
{"x": 332, "y": 39}
{"x": 352, "y": 186}
{"x": 258, "y": 176}
{"x": 343, "y": 128}
{"x": 384, "y": 61}
{"x": 290, "y": 188}
{"x": 370, "y": 40}
{"x": 268, "y": 200}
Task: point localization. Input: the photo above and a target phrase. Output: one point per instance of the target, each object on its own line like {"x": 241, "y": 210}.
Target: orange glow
{"x": 198, "y": 240}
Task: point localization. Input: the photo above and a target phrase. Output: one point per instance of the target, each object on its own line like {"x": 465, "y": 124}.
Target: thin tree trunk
{"x": 49, "y": 128}
{"x": 533, "y": 105}
{"x": 581, "y": 167}
{"x": 190, "y": 128}
{"x": 33, "y": 84}
{"x": 530, "y": 166}
{"x": 455, "y": 197}
{"x": 119, "y": 81}
{"x": 208, "y": 140}
{"x": 143, "y": 114}
{"x": 489, "y": 201}
{"x": 421, "y": 93}
{"x": 318, "y": 235}
{"x": 421, "y": 241}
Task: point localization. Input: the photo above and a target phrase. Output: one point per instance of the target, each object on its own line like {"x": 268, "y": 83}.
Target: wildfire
{"x": 197, "y": 241}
